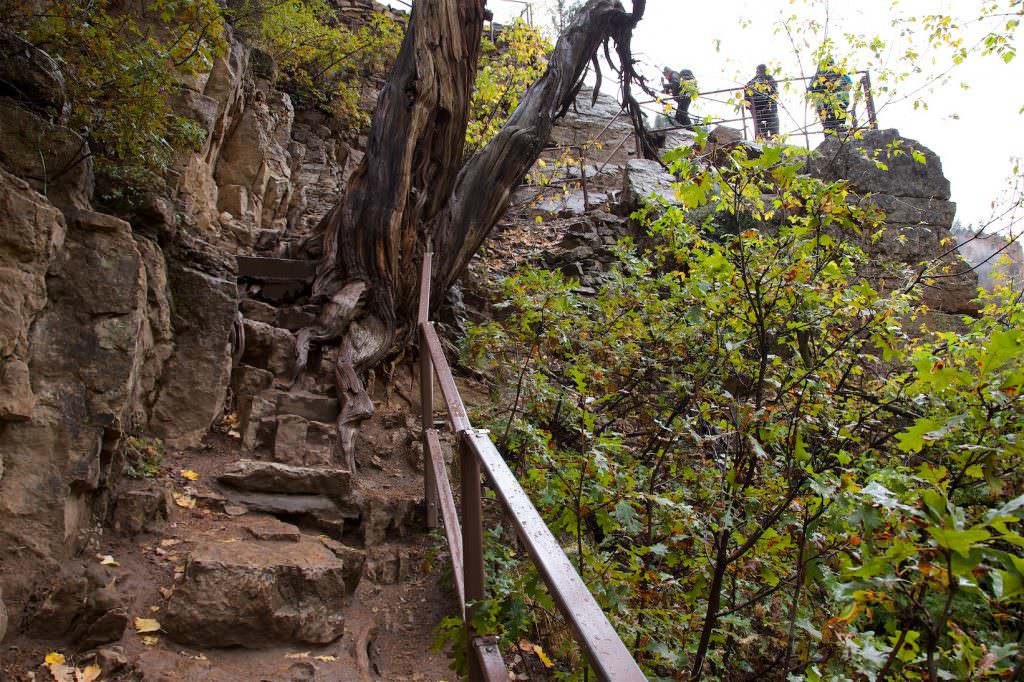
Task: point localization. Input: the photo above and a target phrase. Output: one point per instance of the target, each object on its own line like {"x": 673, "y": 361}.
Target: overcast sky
{"x": 977, "y": 132}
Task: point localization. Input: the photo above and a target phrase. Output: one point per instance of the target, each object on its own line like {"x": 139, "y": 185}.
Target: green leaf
{"x": 925, "y": 429}
{"x": 960, "y": 541}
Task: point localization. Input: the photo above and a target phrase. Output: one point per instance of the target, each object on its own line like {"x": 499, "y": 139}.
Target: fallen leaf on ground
{"x": 144, "y": 625}
{"x": 325, "y": 659}
{"x": 54, "y": 658}
{"x": 62, "y": 673}
{"x": 189, "y": 474}
{"x": 183, "y": 500}
{"x": 548, "y": 663}
{"x": 525, "y": 645}
{"x": 169, "y": 542}
{"x": 90, "y": 673}
{"x": 304, "y": 654}
{"x": 150, "y": 640}
{"x": 194, "y": 657}
{"x": 154, "y": 609}
{"x": 234, "y": 434}
{"x": 107, "y": 560}
{"x": 166, "y": 592}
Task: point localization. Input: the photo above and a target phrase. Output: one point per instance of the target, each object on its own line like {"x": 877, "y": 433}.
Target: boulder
{"x": 82, "y": 605}
{"x": 319, "y": 507}
{"x": 645, "y": 179}
{"x": 294, "y": 318}
{"x": 234, "y": 199}
{"x": 385, "y": 517}
{"x": 258, "y": 425}
{"x": 250, "y": 381}
{"x": 205, "y": 303}
{"x": 274, "y": 477}
{"x": 32, "y": 77}
{"x": 255, "y": 593}
{"x": 136, "y": 511}
{"x": 353, "y": 558}
{"x": 881, "y": 161}
{"x": 16, "y": 398}
{"x": 85, "y": 350}
{"x": 55, "y": 160}
{"x": 195, "y": 106}
{"x": 258, "y": 311}
{"x": 269, "y": 347}
{"x": 111, "y": 659}
{"x": 310, "y": 406}
{"x": 914, "y": 195}
{"x": 390, "y": 565}
{"x": 290, "y": 439}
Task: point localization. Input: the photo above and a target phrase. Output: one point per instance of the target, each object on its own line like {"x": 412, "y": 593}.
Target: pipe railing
{"x": 602, "y": 646}
{"x": 861, "y": 90}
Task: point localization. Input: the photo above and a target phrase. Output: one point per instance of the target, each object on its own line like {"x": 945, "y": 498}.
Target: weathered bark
{"x": 486, "y": 182}
{"x": 411, "y": 193}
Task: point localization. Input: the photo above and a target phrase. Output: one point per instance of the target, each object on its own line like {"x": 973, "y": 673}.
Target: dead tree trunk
{"x": 412, "y": 191}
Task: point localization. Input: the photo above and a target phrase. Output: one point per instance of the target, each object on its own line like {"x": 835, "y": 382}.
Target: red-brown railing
{"x": 604, "y": 649}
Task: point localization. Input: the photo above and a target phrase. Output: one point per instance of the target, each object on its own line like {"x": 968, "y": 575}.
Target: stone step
{"x": 267, "y": 269}
{"x": 291, "y": 318}
{"x": 274, "y": 477}
{"x": 256, "y": 593}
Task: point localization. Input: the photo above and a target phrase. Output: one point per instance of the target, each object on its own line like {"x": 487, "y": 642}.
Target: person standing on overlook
{"x": 682, "y": 86}
{"x": 761, "y": 94}
{"x": 830, "y": 92}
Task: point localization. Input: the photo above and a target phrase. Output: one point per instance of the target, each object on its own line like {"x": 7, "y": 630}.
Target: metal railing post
{"x": 427, "y": 395}
{"x": 472, "y": 545}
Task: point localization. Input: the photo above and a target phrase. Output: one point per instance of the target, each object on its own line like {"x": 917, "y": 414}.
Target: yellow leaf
{"x": 150, "y": 640}
{"x": 548, "y": 663}
{"x": 144, "y": 625}
{"x": 62, "y": 673}
{"x": 190, "y": 475}
{"x": 54, "y": 658}
{"x": 183, "y": 500}
{"x": 90, "y": 673}
{"x": 107, "y": 560}
{"x": 325, "y": 659}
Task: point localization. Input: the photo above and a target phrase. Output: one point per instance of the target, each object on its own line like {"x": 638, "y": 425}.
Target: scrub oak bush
{"x": 758, "y": 472}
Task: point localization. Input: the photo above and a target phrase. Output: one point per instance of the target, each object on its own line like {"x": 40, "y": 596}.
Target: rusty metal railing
{"x": 862, "y": 92}
{"x": 604, "y": 649}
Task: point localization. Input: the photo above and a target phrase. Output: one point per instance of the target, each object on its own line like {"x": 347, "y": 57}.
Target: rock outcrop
{"x": 121, "y": 325}
{"x": 904, "y": 179}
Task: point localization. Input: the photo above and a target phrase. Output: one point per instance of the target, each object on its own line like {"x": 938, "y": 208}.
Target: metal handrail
{"x": 605, "y": 651}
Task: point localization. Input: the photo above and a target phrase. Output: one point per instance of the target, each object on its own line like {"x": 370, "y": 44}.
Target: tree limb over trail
{"x": 412, "y": 193}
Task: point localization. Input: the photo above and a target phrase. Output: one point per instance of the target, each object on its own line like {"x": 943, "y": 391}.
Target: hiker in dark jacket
{"x": 830, "y": 93}
{"x": 761, "y": 94}
{"x": 681, "y": 85}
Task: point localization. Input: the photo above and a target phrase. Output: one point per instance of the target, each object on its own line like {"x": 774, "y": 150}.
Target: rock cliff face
{"x": 915, "y": 198}
{"x": 119, "y": 325}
